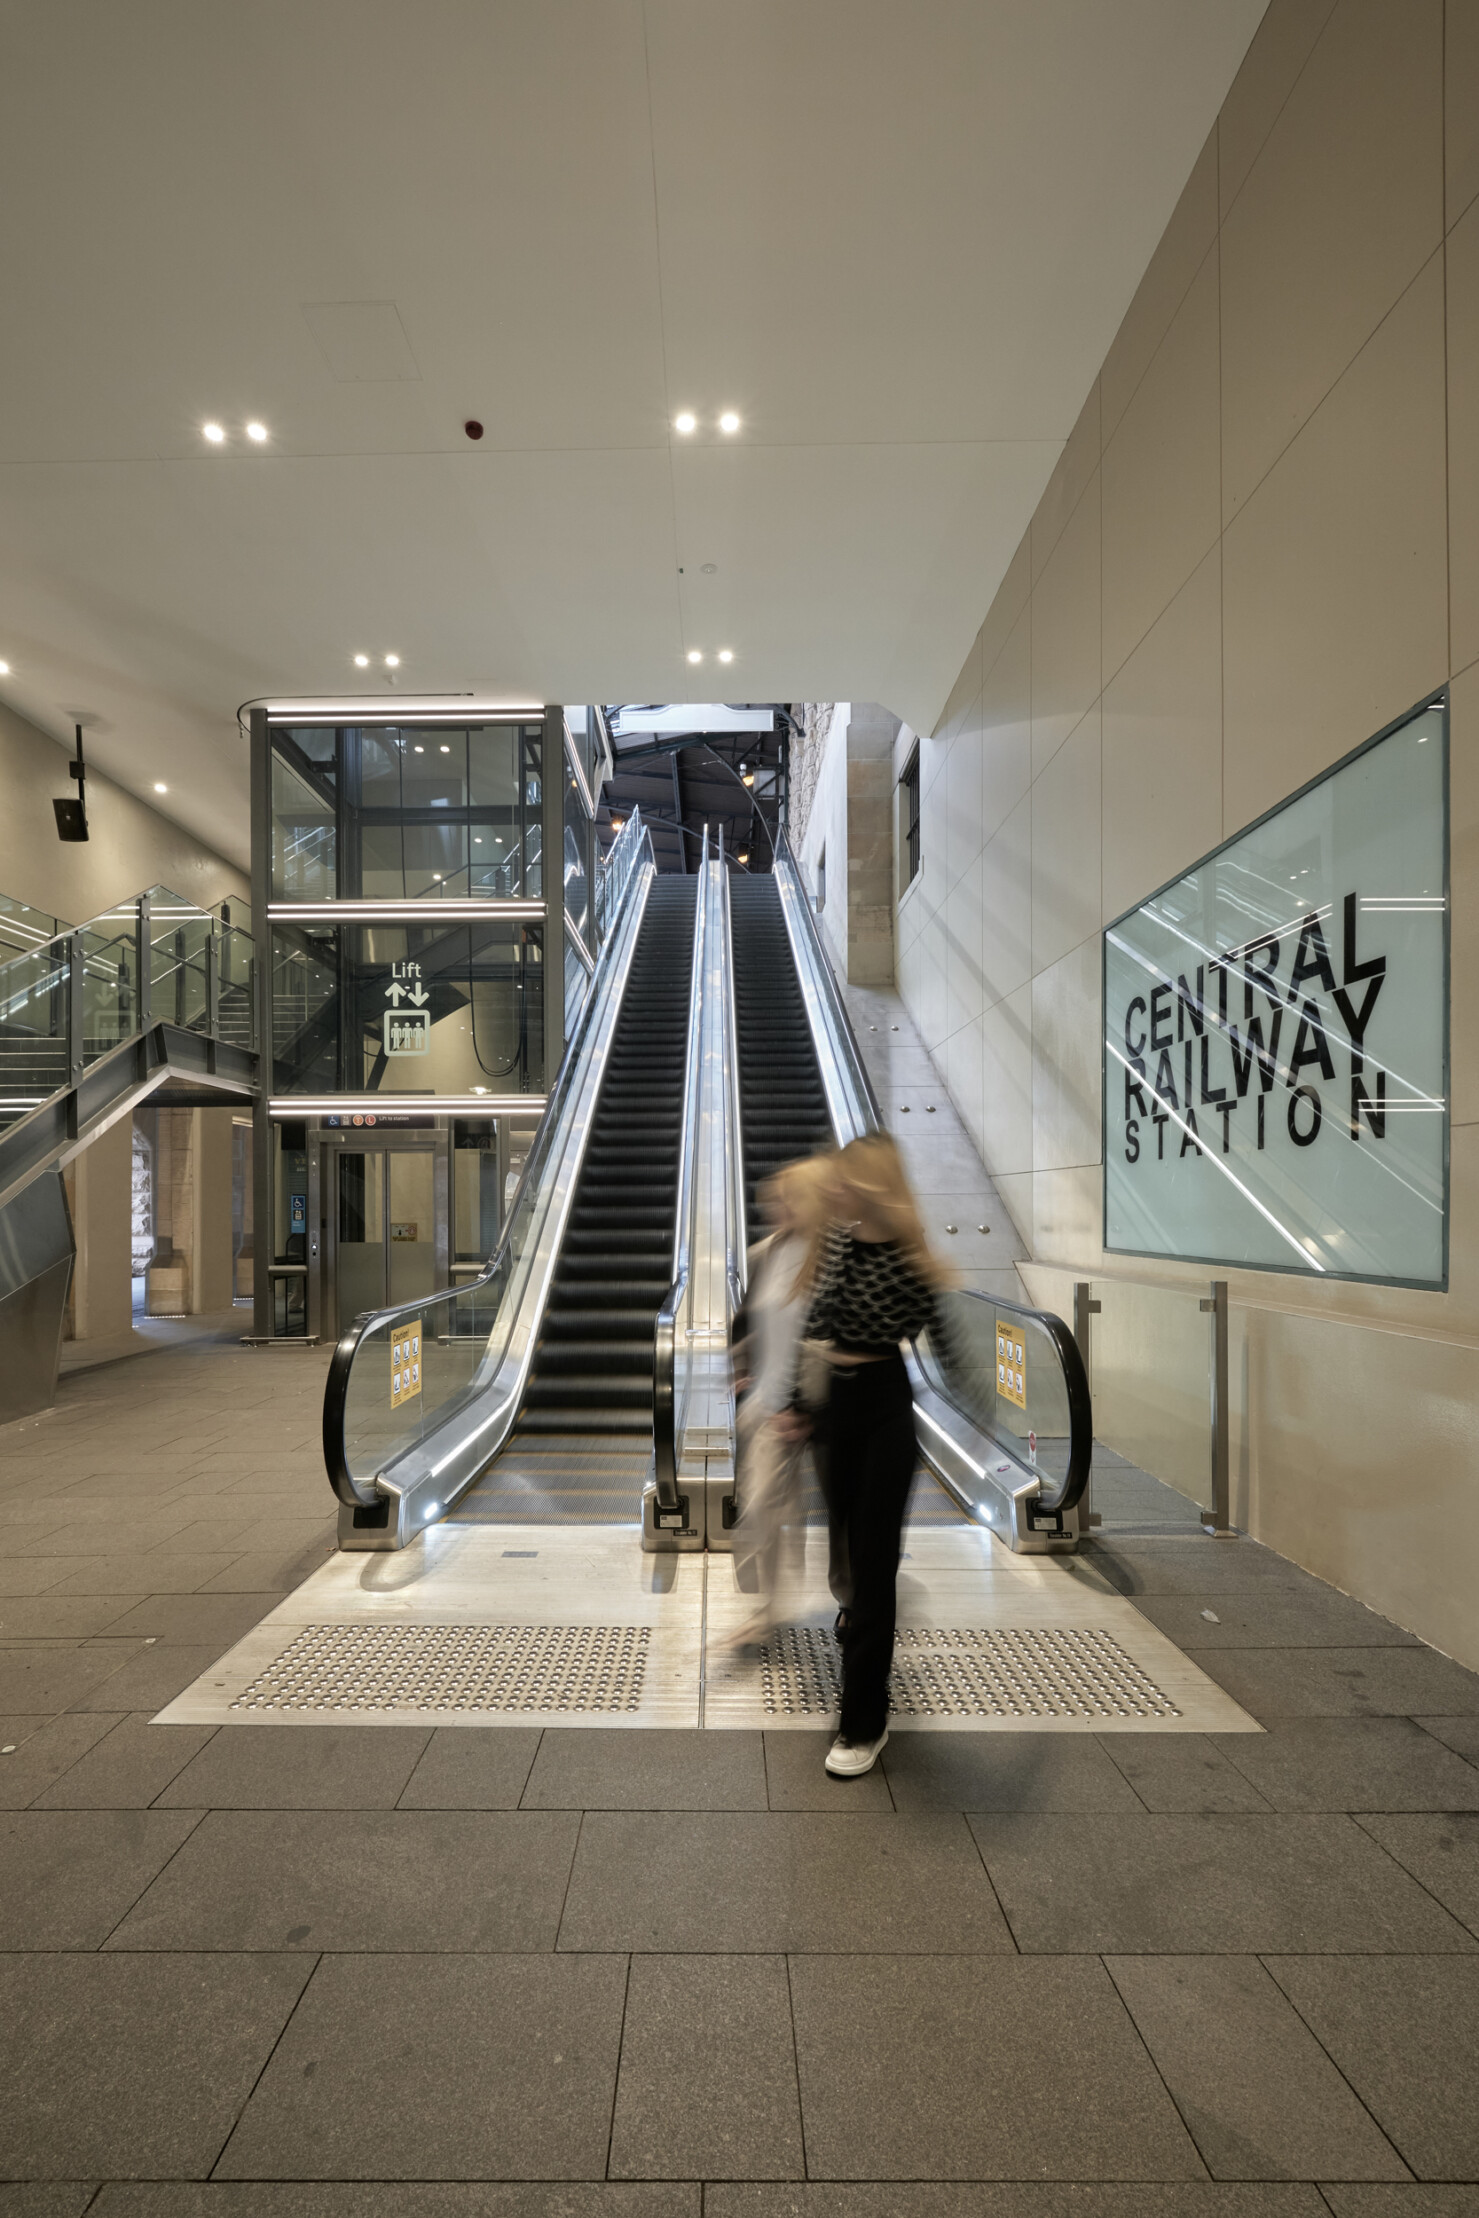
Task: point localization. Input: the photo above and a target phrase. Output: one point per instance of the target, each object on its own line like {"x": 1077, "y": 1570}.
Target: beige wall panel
{"x": 1463, "y": 877}
{"x": 1281, "y": 46}
{"x": 1006, "y": 728}
{"x": 1162, "y": 776}
{"x": 1334, "y": 574}
{"x": 964, "y": 837}
{"x": 1066, "y": 1056}
{"x": 1065, "y": 488}
{"x": 1066, "y": 831}
{"x": 1065, "y": 631}
{"x": 1342, "y": 208}
{"x": 1463, "y": 438}
{"x": 965, "y": 691}
{"x": 1461, "y": 105}
{"x": 1006, "y": 906}
{"x": 101, "y": 1193}
{"x": 131, "y": 847}
{"x": 1006, "y": 1084}
{"x": 1365, "y": 1450}
{"x": 961, "y": 952}
{"x": 1014, "y": 1188}
{"x": 1183, "y": 249}
{"x": 210, "y": 1275}
{"x": 945, "y": 1162}
{"x": 1011, "y": 599}
{"x": 1162, "y": 476}
{"x": 1067, "y": 1216}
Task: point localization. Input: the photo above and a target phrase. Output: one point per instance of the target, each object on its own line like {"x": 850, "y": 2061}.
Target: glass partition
{"x": 1152, "y": 1372}
{"x": 22, "y": 928}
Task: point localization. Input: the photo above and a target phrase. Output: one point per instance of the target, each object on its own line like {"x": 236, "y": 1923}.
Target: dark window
{"x": 909, "y": 792}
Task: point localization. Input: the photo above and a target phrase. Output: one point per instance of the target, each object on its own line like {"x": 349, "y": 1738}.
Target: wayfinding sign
{"x": 407, "y": 1022}
{"x": 1276, "y": 1034}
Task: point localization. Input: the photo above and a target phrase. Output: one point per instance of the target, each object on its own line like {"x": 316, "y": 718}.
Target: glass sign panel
{"x": 1276, "y": 1034}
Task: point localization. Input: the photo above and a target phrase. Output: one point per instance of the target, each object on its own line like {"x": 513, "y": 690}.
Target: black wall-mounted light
{"x": 71, "y": 814}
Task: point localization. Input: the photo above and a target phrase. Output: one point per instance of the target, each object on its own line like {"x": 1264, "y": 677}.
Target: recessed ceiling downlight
{"x": 694, "y": 655}
{"x": 392, "y": 662}
{"x": 4, "y": 669}
{"x": 216, "y": 433}
{"x": 729, "y": 421}
{"x": 256, "y": 432}
{"x": 726, "y": 654}
{"x": 160, "y": 786}
{"x": 685, "y": 422}
{"x": 361, "y": 662}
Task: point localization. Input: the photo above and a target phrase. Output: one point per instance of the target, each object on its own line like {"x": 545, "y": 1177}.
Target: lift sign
{"x": 1276, "y": 1034}
{"x": 405, "y": 1363}
{"x": 407, "y": 1030}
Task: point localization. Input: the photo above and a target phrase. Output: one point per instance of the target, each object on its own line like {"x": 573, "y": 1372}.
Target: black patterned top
{"x": 867, "y": 1298}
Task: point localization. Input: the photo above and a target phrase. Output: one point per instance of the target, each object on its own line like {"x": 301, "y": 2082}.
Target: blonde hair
{"x": 868, "y": 1176}
{"x": 805, "y": 1190}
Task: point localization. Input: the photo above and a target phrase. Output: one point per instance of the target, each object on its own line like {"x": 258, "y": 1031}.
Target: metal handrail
{"x": 583, "y": 1070}
{"x": 665, "y": 1329}
{"x": 737, "y": 1229}
{"x": 853, "y": 1107}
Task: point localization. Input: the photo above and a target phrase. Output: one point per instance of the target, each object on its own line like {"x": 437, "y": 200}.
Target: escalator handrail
{"x": 665, "y": 1329}
{"x": 361, "y": 1493}
{"x": 853, "y": 1107}
{"x": 737, "y": 1241}
{"x": 1069, "y": 1492}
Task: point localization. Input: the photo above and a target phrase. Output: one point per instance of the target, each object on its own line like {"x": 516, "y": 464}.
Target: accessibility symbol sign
{"x": 407, "y": 1030}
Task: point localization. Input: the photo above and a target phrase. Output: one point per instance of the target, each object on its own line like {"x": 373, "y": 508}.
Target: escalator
{"x": 783, "y": 1107}
{"x": 583, "y": 1439}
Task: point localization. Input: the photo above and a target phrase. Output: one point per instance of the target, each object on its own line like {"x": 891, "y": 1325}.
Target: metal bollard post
{"x": 1217, "y": 1519}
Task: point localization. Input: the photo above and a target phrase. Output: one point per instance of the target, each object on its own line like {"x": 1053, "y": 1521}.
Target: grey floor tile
{"x": 1004, "y": 1771}
{"x": 1341, "y": 1682}
{"x": 1195, "y": 1566}
{"x": 796, "y": 1777}
{"x": 132, "y": 2067}
{"x": 1206, "y": 1884}
{"x": 584, "y": 1768}
{"x": 165, "y": 1571}
{"x": 1021, "y": 2199}
{"x": 1180, "y": 1772}
{"x": 1458, "y": 1733}
{"x": 327, "y": 1879}
{"x": 1309, "y": 1615}
{"x": 1352, "y": 1763}
{"x": 719, "y": 2026}
{"x": 222, "y": 1618}
{"x": 151, "y": 1674}
{"x": 60, "y": 1616}
{"x": 55, "y": 1677}
{"x": 29, "y": 1574}
{"x": 504, "y": 2068}
{"x": 1403, "y": 2202}
{"x": 47, "y": 1754}
{"x": 46, "y": 2199}
{"x": 368, "y": 2199}
{"x": 1259, "y": 2095}
{"x": 472, "y": 1767}
{"x": 784, "y": 1880}
{"x": 301, "y": 1767}
{"x": 1440, "y": 1851}
{"x": 14, "y": 1730}
{"x": 871, "y": 2033}
{"x": 1405, "y": 2032}
{"x": 68, "y": 1876}
{"x": 270, "y": 1571}
{"x": 128, "y": 1767}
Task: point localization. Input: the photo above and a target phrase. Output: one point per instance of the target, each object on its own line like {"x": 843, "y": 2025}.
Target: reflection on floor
{"x": 1129, "y": 1503}
{"x": 573, "y": 1625}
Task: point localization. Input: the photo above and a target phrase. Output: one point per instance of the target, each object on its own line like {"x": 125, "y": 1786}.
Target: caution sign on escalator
{"x": 1011, "y": 1365}
{"x": 405, "y": 1362}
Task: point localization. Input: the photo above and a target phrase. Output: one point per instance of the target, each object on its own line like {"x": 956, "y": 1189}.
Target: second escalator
{"x": 783, "y": 1108}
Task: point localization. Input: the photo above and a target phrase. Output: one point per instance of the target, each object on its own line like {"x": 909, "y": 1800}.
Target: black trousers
{"x": 870, "y": 1470}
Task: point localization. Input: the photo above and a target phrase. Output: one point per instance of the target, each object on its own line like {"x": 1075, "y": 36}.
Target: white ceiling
{"x": 897, "y": 239}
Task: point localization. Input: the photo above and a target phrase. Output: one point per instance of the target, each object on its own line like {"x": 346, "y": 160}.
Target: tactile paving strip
{"x": 455, "y": 1668}
{"x": 939, "y": 1671}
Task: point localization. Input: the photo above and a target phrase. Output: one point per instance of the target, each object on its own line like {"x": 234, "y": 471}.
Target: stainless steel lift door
{"x": 385, "y": 1204}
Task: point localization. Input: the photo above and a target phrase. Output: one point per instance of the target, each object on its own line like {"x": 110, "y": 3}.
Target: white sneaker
{"x": 850, "y": 1759}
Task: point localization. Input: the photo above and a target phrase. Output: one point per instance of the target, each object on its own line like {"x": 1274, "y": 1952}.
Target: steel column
{"x": 262, "y": 1235}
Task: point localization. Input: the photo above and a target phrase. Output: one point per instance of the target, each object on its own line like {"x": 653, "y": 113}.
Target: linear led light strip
{"x": 455, "y": 909}
{"x": 404, "y": 1105}
{"x": 385, "y": 708}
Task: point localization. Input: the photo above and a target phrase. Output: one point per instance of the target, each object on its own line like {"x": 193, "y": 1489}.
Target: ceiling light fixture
{"x": 4, "y": 669}
{"x": 256, "y": 431}
{"x": 419, "y": 748}
{"x": 685, "y": 422}
{"x": 214, "y": 432}
{"x": 729, "y": 422}
{"x": 446, "y": 750}
{"x": 726, "y": 654}
{"x": 392, "y": 662}
{"x": 158, "y": 788}
{"x": 694, "y": 655}
{"x": 361, "y": 662}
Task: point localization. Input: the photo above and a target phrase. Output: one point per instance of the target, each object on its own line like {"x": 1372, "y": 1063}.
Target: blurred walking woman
{"x": 875, "y": 1284}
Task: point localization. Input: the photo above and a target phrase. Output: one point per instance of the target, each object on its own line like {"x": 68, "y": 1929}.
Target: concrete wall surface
{"x": 129, "y": 848}
{"x": 850, "y": 819}
{"x": 1259, "y": 545}
{"x": 99, "y": 1189}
